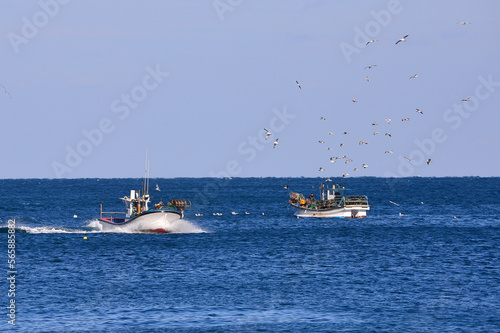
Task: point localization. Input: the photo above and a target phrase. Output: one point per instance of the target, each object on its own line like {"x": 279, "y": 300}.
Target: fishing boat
{"x": 333, "y": 202}
{"x": 139, "y": 217}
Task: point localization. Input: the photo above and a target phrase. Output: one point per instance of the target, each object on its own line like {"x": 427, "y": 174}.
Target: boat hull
{"x": 160, "y": 220}
{"x": 338, "y": 212}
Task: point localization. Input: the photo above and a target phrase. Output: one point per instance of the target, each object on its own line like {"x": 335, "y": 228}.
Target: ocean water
{"x": 433, "y": 268}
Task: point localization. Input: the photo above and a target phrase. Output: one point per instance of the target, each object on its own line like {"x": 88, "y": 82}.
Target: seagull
{"x": 365, "y": 166}
{"x": 298, "y": 84}
{"x": 375, "y": 133}
{"x": 405, "y": 119}
{"x": 328, "y": 148}
{"x": 388, "y": 120}
{"x": 362, "y": 142}
{"x": 463, "y": 23}
{"x": 370, "y": 67}
{"x": 158, "y": 188}
{"x": 392, "y": 202}
{"x": 5, "y": 89}
{"x": 420, "y": 111}
{"x": 234, "y": 213}
{"x": 371, "y": 41}
{"x": 374, "y": 123}
{"x": 330, "y": 133}
{"x": 345, "y": 174}
{"x": 344, "y": 156}
{"x": 389, "y": 152}
{"x": 346, "y": 133}
{"x": 401, "y": 214}
{"x": 414, "y": 76}
{"x": 286, "y": 187}
{"x": 198, "y": 214}
{"x": 367, "y": 79}
{"x": 402, "y": 39}
{"x": 268, "y": 133}
{"x": 332, "y": 159}
{"x": 429, "y": 161}
{"x": 322, "y": 118}
{"x": 75, "y": 216}
{"x": 466, "y": 99}
{"x": 355, "y": 100}
{"x": 247, "y": 213}
{"x": 341, "y": 145}
{"x": 388, "y": 134}
{"x": 356, "y": 169}
{"x": 320, "y": 141}
{"x": 348, "y": 160}
{"x": 276, "y": 143}
{"x": 321, "y": 169}
{"x": 406, "y": 158}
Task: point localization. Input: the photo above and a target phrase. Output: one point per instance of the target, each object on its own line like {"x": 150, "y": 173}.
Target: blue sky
{"x": 92, "y": 85}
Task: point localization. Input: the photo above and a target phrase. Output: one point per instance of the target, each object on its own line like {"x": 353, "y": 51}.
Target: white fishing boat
{"x": 139, "y": 217}
{"x": 332, "y": 203}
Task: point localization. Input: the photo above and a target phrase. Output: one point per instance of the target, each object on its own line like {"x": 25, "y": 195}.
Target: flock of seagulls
{"x": 388, "y": 121}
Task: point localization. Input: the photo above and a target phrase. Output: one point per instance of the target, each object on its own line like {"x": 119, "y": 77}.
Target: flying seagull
{"x": 414, "y": 76}
{"x": 406, "y": 158}
{"x": 354, "y": 100}
{"x": 463, "y": 22}
{"x": 402, "y": 39}
{"x": 429, "y": 161}
{"x": 356, "y": 169}
{"x": 371, "y": 41}
{"x": 268, "y": 133}
{"x": 361, "y": 142}
{"x": 158, "y": 188}
{"x": 332, "y": 159}
{"x": 5, "y": 89}
{"x": 276, "y": 143}
{"x": 346, "y": 133}
{"x": 321, "y": 169}
{"x": 365, "y": 166}
{"x": 466, "y": 99}
{"x": 420, "y": 111}
{"x": 345, "y": 174}
{"x": 405, "y": 119}
{"x": 388, "y": 134}
{"x": 330, "y": 133}
{"x": 375, "y": 133}
{"x": 374, "y": 123}
{"x": 388, "y": 120}
{"x": 321, "y": 141}
{"x": 370, "y": 67}
{"x": 367, "y": 79}
{"x": 298, "y": 84}
{"x": 388, "y": 151}
{"x": 341, "y": 145}
{"x": 322, "y": 118}
{"x": 328, "y": 148}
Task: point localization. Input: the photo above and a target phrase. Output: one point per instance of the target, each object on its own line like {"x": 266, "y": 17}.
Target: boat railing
{"x": 111, "y": 212}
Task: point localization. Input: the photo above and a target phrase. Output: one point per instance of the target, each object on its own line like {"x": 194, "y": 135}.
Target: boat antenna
{"x": 144, "y": 182}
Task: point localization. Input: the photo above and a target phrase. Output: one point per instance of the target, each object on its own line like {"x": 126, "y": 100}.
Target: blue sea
{"x": 426, "y": 259}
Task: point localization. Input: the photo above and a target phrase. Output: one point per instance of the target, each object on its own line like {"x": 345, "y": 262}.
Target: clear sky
{"x": 91, "y": 85}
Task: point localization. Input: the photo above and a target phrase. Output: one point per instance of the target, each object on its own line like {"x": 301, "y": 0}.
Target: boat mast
{"x": 145, "y": 180}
